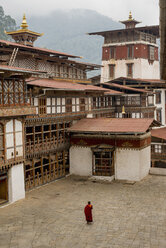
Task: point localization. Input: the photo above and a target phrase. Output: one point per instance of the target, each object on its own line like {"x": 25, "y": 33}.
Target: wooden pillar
{"x": 33, "y": 171}
{"x": 64, "y": 163}
{"x": 41, "y": 163}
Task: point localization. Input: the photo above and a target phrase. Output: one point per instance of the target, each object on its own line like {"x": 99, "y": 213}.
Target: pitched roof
{"x": 146, "y": 29}
{"x": 113, "y": 92}
{"x": 19, "y": 69}
{"x": 159, "y": 133}
{"x": 141, "y": 80}
{"x": 63, "y": 85}
{"x": 124, "y": 87}
{"x": 37, "y": 49}
{"x": 112, "y": 125}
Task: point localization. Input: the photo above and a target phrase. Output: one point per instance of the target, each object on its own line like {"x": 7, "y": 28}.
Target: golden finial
{"x": 123, "y": 110}
{"x": 24, "y": 24}
{"x": 130, "y": 16}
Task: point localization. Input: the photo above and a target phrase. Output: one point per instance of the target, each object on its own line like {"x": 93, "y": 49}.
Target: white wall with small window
{"x": 141, "y": 68}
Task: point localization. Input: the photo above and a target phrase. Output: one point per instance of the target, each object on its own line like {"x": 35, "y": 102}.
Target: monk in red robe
{"x": 88, "y": 213}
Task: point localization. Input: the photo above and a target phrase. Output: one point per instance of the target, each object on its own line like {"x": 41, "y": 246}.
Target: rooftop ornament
{"x": 24, "y": 36}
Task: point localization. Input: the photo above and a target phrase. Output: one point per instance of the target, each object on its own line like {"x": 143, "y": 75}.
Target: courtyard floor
{"x": 125, "y": 215}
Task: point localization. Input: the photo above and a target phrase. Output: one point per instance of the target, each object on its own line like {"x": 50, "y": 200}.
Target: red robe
{"x": 88, "y": 213}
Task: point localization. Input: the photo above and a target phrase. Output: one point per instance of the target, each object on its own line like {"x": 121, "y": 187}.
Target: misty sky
{"x": 146, "y": 11}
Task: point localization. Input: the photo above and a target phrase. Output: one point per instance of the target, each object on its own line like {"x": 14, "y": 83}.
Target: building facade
{"x": 117, "y": 148}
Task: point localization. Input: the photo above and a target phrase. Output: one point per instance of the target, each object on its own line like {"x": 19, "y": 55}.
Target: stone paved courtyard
{"x": 125, "y": 215}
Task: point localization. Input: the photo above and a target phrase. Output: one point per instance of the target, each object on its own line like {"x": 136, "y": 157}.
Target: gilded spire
{"x": 123, "y": 110}
{"x": 130, "y": 16}
{"x": 24, "y": 24}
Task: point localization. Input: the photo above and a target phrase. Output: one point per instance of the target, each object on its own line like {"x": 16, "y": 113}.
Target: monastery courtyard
{"x": 125, "y": 215}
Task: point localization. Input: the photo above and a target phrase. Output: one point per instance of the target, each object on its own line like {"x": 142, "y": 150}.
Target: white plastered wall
{"x": 132, "y": 165}
{"x": 16, "y": 186}
{"x": 81, "y": 161}
{"x": 141, "y": 69}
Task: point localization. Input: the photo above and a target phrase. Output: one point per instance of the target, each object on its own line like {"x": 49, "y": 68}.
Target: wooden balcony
{"x": 14, "y": 98}
{"x": 40, "y": 146}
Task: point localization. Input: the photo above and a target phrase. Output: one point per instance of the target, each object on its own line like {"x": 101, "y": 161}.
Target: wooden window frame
{"x": 159, "y": 115}
{"x": 130, "y": 51}
{"x": 111, "y": 71}
{"x": 69, "y": 105}
{"x": 112, "y": 52}
{"x": 151, "y": 53}
{"x": 158, "y": 97}
{"x": 42, "y": 103}
{"x": 129, "y": 70}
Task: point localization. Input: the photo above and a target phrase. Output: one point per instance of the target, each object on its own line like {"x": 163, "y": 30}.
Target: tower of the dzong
{"x": 24, "y": 36}
{"x": 130, "y": 52}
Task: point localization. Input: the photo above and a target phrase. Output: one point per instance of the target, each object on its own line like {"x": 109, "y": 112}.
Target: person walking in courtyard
{"x": 88, "y": 212}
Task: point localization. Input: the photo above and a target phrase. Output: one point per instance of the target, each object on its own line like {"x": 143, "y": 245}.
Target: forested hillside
{"x": 6, "y": 23}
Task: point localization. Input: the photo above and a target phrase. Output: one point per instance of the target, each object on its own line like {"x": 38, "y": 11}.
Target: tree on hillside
{"x": 6, "y": 23}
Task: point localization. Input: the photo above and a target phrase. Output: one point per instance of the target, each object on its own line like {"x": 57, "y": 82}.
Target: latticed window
{"x": 103, "y": 163}
{"x": 12, "y": 92}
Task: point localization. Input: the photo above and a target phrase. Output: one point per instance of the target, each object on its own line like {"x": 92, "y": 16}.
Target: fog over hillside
{"x": 66, "y": 31}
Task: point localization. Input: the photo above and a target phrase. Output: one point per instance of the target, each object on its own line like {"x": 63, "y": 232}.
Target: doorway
{"x": 3, "y": 187}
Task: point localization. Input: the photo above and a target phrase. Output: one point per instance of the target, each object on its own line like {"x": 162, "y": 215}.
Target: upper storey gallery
{"x": 130, "y": 42}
